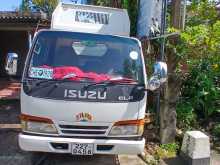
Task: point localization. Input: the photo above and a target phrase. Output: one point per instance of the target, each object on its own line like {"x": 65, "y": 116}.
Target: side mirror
{"x": 11, "y": 64}
{"x": 159, "y": 76}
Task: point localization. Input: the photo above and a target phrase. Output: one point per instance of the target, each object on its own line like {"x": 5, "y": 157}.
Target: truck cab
{"x": 84, "y": 85}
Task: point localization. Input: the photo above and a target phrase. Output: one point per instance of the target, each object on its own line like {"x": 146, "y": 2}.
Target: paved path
{"x": 9, "y": 90}
{"x": 215, "y": 158}
{"x": 130, "y": 160}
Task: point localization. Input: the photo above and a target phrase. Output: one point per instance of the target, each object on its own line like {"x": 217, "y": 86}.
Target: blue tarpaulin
{"x": 149, "y": 16}
{"x": 76, "y": 1}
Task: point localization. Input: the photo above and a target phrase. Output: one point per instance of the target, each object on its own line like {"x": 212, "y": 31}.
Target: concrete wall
{"x": 13, "y": 41}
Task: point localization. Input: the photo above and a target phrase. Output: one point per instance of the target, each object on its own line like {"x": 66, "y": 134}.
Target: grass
{"x": 165, "y": 151}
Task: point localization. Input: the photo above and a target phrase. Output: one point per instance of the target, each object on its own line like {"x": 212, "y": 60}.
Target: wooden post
{"x": 171, "y": 88}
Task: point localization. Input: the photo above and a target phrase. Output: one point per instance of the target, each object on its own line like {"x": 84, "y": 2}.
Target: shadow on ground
{"x": 174, "y": 161}
{"x": 10, "y": 154}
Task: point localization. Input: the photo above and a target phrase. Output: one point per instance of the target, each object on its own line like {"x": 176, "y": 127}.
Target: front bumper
{"x": 45, "y": 144}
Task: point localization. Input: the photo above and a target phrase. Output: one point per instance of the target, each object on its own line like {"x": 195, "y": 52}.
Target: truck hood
{"x": 75, "y": 111}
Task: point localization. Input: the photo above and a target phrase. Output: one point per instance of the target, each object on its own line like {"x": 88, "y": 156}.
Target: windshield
{"x": 85, "y": 57}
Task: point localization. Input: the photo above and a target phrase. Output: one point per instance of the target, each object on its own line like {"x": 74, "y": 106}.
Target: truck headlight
{"x": 37, "y": 124}
{"x": 128, "y": 128}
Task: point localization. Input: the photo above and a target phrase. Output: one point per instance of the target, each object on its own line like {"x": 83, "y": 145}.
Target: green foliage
{"x": 201, "y": 91}
{"x": 201, "y": 88}
{"x": 201, "y": 38}
{"x": 167, "y": 150}
{"x": 202, "y": 12}
{"x": 155, "y": 153}
{"x": 45, "y": 5}
{"x": 25, "y": 6}
{"x": 216, "y": 130}
{"x": 186, "y": 118}
{"x": 171, "y": 147}
{"x": 199, "y": 48}
{"x": 102, "y": 2}
{"x": 130, "y": 5}
{"x": 200, "y": 41}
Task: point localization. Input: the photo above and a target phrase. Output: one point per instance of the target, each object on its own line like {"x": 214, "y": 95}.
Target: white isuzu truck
{"x": 84, "y": 86}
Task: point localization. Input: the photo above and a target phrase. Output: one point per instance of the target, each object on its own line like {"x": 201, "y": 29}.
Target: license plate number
{"x": 82, "y": 149}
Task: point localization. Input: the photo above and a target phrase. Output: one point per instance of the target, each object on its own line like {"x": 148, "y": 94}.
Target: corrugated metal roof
{"x": 18, "y": 17}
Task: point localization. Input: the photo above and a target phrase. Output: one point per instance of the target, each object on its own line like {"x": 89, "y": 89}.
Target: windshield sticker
{"x": 89, "y": 43}
{"x": 134, "y": 55}
{"x": 44, "y": 73}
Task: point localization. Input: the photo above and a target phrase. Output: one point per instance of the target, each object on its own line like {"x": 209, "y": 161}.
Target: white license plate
{"x": 82, "y": 149}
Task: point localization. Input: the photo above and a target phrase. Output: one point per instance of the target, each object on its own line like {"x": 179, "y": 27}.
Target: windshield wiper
{"x": 72, "y": 75}
{"x": 113, "y": 81}
{"x": 63, "y": 79}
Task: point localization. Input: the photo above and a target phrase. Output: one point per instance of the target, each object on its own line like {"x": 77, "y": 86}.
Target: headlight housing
{"x": 128, "y": 128}
{"x": 37, "y": 125}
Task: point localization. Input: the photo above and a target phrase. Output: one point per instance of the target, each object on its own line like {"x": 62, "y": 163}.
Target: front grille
{"x": 83, "y": 130}
{"x": 82, "y": 127}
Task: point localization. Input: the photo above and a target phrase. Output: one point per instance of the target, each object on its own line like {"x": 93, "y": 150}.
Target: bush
{"x": 216, "y": 130}
{"x": 167, "y": 151}
{"x": 198, "y": 48}
{"x": 201, "y": 89}
{"x": 186, "y": 118}
{"x": 170, "y": 147}
{"x": 200, "y": 93}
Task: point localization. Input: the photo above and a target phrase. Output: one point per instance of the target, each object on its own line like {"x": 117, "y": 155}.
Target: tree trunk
{"x": 172, "y": 87}
{"x": 168, "y": 110}
{"x": 176, "y": 14}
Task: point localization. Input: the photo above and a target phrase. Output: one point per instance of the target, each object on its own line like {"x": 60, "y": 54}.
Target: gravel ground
{"x": 9, "y": 112}
{"x": 215, "y": 158}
